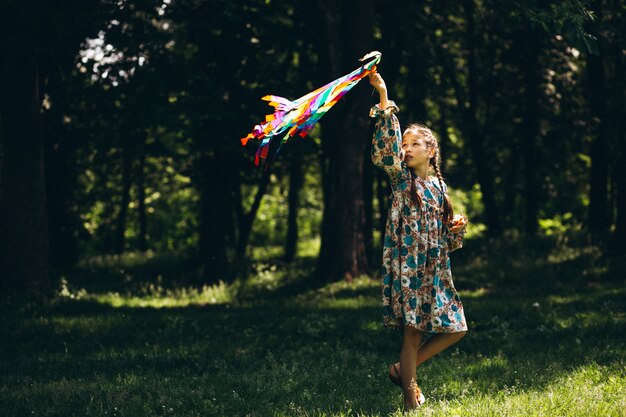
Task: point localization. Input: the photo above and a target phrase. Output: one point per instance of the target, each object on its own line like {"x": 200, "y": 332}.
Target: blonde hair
{"x": 431, "y": 142}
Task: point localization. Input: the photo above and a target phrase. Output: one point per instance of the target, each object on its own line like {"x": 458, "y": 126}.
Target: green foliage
{"x": 176, "y": 85}
{"x": 560, "y": 225}
{"x": 470, "y": 204}
{"x": 569, "y": 19}
{"x": 270, "y": 228}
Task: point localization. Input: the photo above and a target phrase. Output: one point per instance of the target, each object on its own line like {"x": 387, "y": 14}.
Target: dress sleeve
{"x": 386, "y": 145}
{"x": 454, "y": 240}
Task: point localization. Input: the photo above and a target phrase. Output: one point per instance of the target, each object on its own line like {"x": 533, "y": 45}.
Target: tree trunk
{"x": 619, "y": 108}
{"x": 24, "y": 246}
{"x": 122, "y": 215}
{"x": 368, "y": 202}
{"x": 382, "y": 191}
{"x": 142, "y": 243}
{"x": 509, "y": 208}
{"x": 60, "y": 158}
{"x": 530, "y": 127}
{"x": 474, "y": 139}
{"x": 245, "y": 228}
{"x": 598, "y": 221}
{"x": 619, "y": 236}
{"x": 444, "y": 138}
{"x": 215, "y": 207}
{"x": 343, "y": 253}
{"x": 295, "y": 184}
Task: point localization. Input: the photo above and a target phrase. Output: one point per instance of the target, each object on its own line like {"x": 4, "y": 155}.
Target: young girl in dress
{"x": 419, "y": 296}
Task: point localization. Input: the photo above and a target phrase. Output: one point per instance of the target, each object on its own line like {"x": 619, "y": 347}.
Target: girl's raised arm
{"x": 379, "y": 84}
{"x": 387, "y": 139}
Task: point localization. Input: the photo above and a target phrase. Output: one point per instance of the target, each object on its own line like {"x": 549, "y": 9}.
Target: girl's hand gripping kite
{"x": 299, "y": 116}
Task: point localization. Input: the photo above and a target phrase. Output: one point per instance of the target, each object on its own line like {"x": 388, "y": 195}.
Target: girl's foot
{"x": 414, "y": 396}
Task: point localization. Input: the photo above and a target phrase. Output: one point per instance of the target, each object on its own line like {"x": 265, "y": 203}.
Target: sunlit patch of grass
{"x": 590, "y": 390}
{"x": 156, "y": 296}
{"x": 267, "y": 252}
{"x": 130, "y": 259}
{"x": 306, "y": 248}
{"x": 266, "y": 275}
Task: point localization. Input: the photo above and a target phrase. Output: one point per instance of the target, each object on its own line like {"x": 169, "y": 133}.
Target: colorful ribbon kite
{"x": 298, "y": 117}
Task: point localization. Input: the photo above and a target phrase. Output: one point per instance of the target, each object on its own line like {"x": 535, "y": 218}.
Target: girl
{"x": 418, "y": 292}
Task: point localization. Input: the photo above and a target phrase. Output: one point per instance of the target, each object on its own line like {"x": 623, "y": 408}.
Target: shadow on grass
{"x": 275, "y": 353}
{"x": 298, "y": 357}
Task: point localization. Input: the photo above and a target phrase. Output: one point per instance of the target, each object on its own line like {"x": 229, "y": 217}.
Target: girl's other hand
{"x": 377, "y": 82}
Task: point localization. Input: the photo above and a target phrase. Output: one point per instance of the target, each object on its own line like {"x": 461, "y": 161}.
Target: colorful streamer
{"x": 299, "y": 116}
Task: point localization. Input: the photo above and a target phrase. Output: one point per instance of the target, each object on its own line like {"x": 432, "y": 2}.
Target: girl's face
{"x": 416, "y": 151}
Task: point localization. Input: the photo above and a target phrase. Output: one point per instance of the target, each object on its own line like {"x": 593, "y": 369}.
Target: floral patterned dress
{"x": 417, "y": 286}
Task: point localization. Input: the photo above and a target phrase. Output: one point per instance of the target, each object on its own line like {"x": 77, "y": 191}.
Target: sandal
{"x": 396, "y": 379}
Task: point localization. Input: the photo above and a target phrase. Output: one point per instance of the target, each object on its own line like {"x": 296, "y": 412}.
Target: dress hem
{"x": 431, "y": 332}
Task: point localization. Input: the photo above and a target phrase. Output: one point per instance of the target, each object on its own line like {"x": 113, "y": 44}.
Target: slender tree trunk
{"x": 245, "y": 228}
{"x": 472, "y": 133}
{"x": 619, "y": 236}
{"x": 511, "y": 190}
{"x": 61, "y": 184}
{"x": 343, "y": 253}
{"x": 215, "y": 206}
{"x": 444, "y": 138}
{"x": 295, "y": 184}
{"x": 401, "y": 53}
{"x": 24, "y": 246}
{"x": 619, "y": 108}
{"x": 598, "y": 220}
{"x": 382, "y": 191}
{"x": 598, "y": 182}
{"x": 530, "y": 127}
{"x": 142, "y": 243}
{"x": 368, "y": 202}
{"x": 238, "y": 215}
{"x": 122, "y": 215}
{"x": 417, "y": 84}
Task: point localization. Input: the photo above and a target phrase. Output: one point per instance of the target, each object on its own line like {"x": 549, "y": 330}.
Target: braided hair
{"x": 431, "y": 142}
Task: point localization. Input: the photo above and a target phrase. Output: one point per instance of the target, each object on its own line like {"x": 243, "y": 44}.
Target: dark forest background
{"x": 120, "y": 124}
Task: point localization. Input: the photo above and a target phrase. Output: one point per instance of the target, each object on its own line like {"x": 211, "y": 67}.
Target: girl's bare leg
{"x": 433, "y": 346}
{"x": 408, "y": 357}
{"x": 437, "y": 344}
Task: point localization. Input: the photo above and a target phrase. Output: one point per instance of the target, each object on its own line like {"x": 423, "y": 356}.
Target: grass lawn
{"x": 547, "y": 337}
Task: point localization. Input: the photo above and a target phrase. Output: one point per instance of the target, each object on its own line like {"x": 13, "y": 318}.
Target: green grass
{"x": 547, "y": 333}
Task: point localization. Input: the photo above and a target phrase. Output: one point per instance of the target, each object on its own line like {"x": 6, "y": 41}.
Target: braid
{"x": 448, "y": 211}
{"x": 414, "y": 194}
